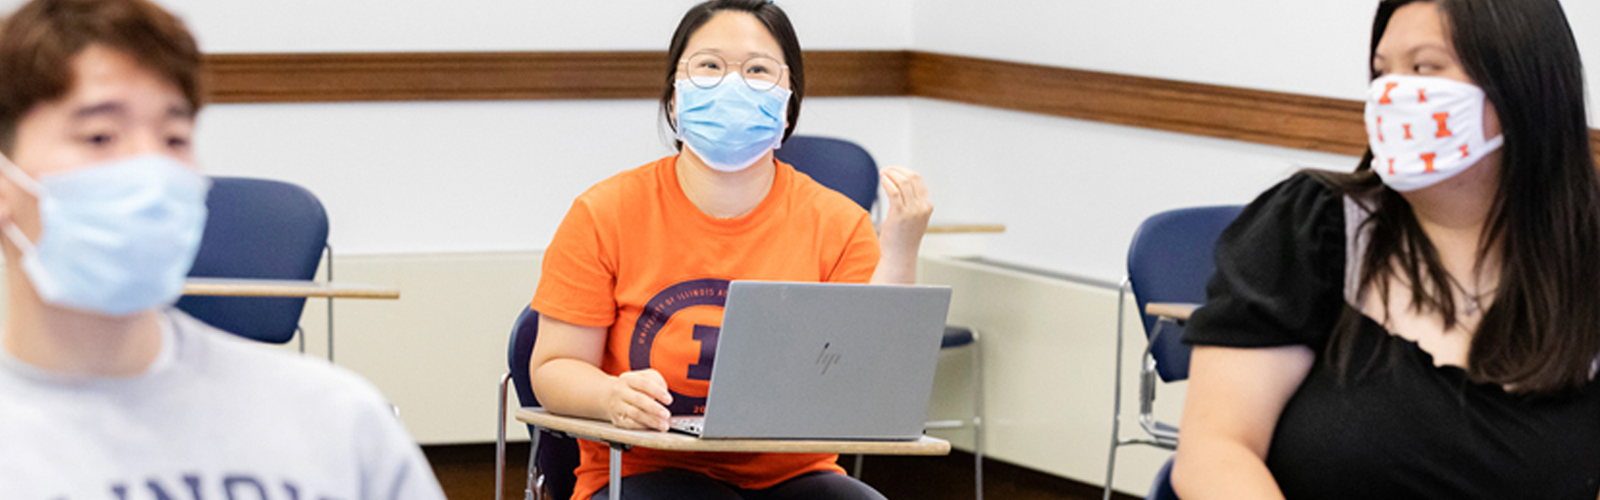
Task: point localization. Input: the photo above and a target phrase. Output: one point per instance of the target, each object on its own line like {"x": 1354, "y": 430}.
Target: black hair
{"x": 1542, "y": 332}
{"x": 776, "y": 22}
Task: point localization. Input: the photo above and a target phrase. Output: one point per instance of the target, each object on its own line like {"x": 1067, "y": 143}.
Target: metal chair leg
{"x": 977, "y": 414}
{"x": 535, "y": 485}
{"x": 616, "y": 471}
{"x": 856, "y": 473}
{"x": 500, "y": 441}
{"x": 329, "y": 249}
{"x": 1116, "y": 398}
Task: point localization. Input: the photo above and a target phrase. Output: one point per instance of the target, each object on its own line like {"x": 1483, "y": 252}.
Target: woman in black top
{"x": 1427, "y": 326}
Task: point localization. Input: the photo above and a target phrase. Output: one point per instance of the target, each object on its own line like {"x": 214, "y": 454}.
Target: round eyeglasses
{"x": 706, "y": 70}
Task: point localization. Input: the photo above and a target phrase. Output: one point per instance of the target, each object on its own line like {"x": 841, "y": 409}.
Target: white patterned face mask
{"x": 1425, "y": 129}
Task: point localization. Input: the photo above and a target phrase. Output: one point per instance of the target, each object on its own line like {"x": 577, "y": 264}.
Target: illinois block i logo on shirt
{"x": 677, "y": 335}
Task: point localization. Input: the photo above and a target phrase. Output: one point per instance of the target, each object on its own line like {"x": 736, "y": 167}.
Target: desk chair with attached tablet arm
{"x": 1169, "y": 264}
{"x": 262, "y": 229}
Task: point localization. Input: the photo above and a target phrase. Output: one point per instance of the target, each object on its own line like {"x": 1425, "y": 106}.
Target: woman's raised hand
{"x": 906, "y": 212}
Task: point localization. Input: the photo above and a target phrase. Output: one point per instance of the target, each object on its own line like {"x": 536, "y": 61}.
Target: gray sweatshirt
{"x": 214, "y": 418}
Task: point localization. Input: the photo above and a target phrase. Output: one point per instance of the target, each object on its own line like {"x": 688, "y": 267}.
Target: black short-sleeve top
{"x": 1286, "y": 271}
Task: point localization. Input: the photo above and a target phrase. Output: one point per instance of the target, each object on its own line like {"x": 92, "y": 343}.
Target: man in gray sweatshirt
{"x": 106, "y": 391}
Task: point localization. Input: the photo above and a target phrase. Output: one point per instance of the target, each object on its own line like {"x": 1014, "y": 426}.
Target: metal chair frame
{"x": 976, "y": 383}
{"x": 300, "y": 332}
{"x": 1161, "y": 434}
{"x": 535, "y": 485}
{"x": 976, "y": 422}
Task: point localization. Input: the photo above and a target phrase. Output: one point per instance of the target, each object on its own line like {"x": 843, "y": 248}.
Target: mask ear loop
{"x": 677, "y": 107}
{"x": 12, "y": 232}
{"x": 15, "y": 173}
{"x": 778, "y": 144}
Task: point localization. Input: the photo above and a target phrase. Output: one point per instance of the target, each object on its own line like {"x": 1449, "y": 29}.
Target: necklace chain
{"x": 1474, "y": 303}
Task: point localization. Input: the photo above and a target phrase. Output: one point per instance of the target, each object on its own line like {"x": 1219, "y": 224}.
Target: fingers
{"x": 651, "y": 383}
{"x": 910, "y": 182}
{"x": 891, "y": 190}
{"x": 638, "y": 401}
{"x": 906, "y": 181}
{"x": 643, "y": 411}
{"x": 634, "y": 410}
{"x": 896, "y": 177}
{"x": 624, "y": 421}
{"x": 909, "y": 194}
{"x": 918, "y": 189}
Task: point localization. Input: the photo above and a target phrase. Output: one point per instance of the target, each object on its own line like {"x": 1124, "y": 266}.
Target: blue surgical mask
{"x": 730, "y": 125}
{"x": 115, "y": 238}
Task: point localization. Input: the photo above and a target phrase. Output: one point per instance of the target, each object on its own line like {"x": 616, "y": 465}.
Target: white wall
{"x": 1072, "y": 192}
{"x": 469, "y": 177}
{"x": 1301, "y": 46}
{"x": 496, "y": 25}
{"x": 1305, "y": 46}
{"x": 485, "y": 176}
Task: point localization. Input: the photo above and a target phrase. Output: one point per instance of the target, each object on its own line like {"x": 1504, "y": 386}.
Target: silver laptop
{"x": 823, "y": 361}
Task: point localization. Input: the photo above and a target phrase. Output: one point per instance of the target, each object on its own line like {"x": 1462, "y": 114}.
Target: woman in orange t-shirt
{"x": 631, "y": 296}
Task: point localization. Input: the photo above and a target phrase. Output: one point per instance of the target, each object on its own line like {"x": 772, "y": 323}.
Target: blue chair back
{"x": 257, "y": 228}
{"x": 557, "y": 457}
{"x": 1170, "y": 260}
{"x": 1161, "y": 488}
{"x": 836, "y": 163}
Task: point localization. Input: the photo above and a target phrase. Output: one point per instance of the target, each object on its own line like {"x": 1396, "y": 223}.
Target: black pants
{"x": 681, "y": 484}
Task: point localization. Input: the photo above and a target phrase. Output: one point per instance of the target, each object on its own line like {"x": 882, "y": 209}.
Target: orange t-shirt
{"x": 636, "y": 256}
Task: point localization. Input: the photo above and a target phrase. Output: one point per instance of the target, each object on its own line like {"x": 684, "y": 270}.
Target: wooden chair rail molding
{"x": 489, "y": 76}
{"x": 1263, "y": 117}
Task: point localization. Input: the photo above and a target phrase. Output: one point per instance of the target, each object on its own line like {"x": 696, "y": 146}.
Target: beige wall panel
{"x": 438, "y": 352}
{"x": 1048, "y": 366}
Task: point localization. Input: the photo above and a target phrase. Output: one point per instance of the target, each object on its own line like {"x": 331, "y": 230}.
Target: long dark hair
{"x": 777, "y": 24}
{"x": 1542, "y": 333}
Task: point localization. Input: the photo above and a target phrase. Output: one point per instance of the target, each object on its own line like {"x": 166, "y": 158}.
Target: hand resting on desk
{"x": 638, "y": 401}
{"x": 566, "y": 376}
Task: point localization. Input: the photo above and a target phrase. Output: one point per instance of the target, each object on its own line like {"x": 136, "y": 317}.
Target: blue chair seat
{"x": 956, "y": 336}
{"x": 1161, "y": 488}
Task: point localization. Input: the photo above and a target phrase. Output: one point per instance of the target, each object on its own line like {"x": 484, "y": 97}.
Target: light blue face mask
{"x": 116, "y": 238}
{"x": 730, "y": 125}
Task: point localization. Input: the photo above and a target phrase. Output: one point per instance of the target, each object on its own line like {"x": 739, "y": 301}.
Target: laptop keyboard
{"x": 687, "y": 425}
